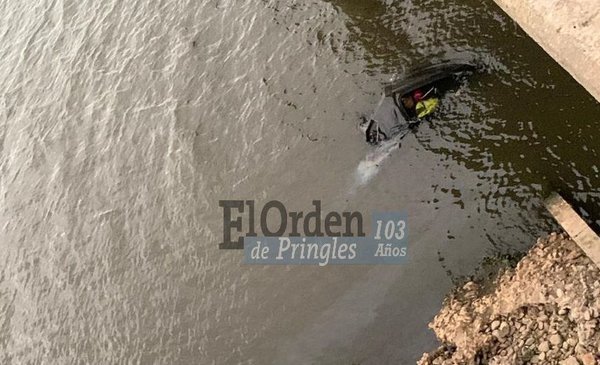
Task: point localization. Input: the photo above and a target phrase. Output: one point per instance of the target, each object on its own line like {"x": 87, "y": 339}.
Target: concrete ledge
{"x": 569, "y": 30}
{"x": 575, "y": 226}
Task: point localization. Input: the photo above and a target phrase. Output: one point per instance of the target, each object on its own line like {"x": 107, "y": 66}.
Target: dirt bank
{"x": 544, "y": 311}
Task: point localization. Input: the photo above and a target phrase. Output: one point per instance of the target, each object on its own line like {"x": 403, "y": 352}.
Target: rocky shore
{"x": 546, "y": 310}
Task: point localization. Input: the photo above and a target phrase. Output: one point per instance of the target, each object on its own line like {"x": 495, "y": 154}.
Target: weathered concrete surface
{"x": 575, "y": 226}
{"x": 569, "y": 30}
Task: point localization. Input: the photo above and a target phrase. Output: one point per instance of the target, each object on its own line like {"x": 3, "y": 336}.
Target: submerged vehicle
{"x": 421, "y": 88}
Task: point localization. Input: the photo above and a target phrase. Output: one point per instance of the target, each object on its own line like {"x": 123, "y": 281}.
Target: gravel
{"x": 543, "y": 311}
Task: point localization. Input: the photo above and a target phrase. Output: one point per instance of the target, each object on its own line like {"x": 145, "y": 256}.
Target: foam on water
{"x": 368, "y": 168}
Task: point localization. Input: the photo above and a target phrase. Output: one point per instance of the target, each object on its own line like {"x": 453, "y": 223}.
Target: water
{"x": 124, "y": 123}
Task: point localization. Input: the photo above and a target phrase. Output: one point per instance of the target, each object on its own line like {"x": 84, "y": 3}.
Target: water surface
{"x": 124, "y": 123}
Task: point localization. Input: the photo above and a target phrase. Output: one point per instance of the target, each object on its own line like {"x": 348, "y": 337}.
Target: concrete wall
{"x": 569, "y": 30}
{"x": 575, "y": 226}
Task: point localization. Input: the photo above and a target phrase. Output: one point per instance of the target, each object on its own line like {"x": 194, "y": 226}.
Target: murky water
{"x": 124, "y": 123}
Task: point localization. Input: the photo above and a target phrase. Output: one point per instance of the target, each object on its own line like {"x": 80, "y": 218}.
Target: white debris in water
{"x": 369, "y": 167}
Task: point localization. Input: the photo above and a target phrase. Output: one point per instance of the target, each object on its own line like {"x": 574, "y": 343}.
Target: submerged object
{"x": 394, "y": 114}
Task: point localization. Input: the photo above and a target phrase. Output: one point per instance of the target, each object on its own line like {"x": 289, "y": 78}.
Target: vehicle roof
{"x": 424, "y": 75}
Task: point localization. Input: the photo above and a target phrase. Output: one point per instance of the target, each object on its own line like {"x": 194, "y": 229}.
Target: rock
{"x": 572, "y": 342}
{"x": 544, "y": 346}
{"x": 588, "y": 359}
{"x": 470, "y": 286}
{"x": 555, "y": 340}
{"x": 495, "y": 325}
{"x": 582, "y": 336}
{"x": 571, "y": 360}
{"x": 593, "y": 324}
{"x": 503, "y": 330}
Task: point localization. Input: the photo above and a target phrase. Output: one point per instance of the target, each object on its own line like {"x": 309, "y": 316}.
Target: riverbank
{"x": 543, "y": 311}
{"x": 568, "y": 30}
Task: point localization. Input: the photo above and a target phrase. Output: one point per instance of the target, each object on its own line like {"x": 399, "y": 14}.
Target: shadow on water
{"x": 524, "y": 123}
